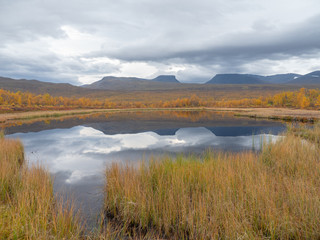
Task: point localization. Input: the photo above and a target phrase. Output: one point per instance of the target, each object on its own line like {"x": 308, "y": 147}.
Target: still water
{"x": 77, "y": 150}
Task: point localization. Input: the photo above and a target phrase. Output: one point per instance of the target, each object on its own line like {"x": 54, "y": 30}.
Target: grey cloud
{"x": 50, "y": 68}
{"x": 205, "y": 35}
{"x": 248, "y": 46}
{"x": 45, "y": 69}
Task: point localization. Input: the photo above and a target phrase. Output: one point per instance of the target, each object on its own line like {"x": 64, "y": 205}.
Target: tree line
{"x": 303, "y": 99}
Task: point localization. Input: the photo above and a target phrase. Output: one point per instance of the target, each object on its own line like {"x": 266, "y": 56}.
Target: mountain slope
{"x": 310, "y": 78}
{"x": 280, "y": 78}
{"x": 131, "y": 83}
{"x": 236, "y": 79}
{"x": 38, "y": 87}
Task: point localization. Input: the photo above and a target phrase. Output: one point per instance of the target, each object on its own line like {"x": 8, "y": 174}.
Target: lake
{"x": 77, "y": 150}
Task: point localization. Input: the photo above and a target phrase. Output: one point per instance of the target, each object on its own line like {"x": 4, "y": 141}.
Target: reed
{"x": 28, "y": 208}
{"x": 269, "y": 195}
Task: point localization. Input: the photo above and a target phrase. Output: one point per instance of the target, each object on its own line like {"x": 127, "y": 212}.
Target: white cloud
{"x": 84, "y": 151}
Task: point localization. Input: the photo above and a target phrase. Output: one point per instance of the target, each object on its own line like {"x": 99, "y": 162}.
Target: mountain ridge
{"x": 236, "y": 78}
{"x": 127, "y": 83}
{"x": 40, "y": 87}
{"x": 164, "y": 83}
{"x": 309, "y": 78}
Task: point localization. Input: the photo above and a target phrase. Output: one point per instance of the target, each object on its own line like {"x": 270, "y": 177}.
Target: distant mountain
{"x": 166, "y": 78}
{"x": 236, "y": 79}
{"x": 111, "y": 82}
{"x": 38, "y": 87}
{"x": 132, "y": 83}
{"x": 113, "y": 86}
{"x": 253, "y": 79}
{"x": 310, "y": 78}
{"x": 280, "y": 78}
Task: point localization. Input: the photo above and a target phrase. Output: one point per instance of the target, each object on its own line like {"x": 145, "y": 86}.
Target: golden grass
{"x": 288, "y": 114}
{"x": 271, "y": 195}
{"x": 310, "y": 133}
{"x": 28, "y": 208}
{"x": 45, "y": 114}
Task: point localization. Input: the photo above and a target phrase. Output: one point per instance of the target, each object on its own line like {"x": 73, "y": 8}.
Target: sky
{"x": 80, "y": 42}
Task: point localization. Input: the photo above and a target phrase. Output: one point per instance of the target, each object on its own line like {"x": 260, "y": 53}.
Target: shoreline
{"x": 238, "y": 178}
{"x": 285, "y": 114}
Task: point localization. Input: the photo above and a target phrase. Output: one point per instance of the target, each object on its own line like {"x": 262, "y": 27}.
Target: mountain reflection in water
{"x": 84, "y": 151}
{"x": 77, "y": 150}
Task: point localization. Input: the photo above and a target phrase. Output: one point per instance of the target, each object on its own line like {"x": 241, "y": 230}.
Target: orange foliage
{"x": 303, "y": 98}
{"x": 26, "y": 100}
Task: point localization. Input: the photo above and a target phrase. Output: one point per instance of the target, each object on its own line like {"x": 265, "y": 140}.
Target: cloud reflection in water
{"x": 85, "y": 151}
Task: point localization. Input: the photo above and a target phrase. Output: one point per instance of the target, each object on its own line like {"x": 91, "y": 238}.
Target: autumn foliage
{"x": 26, "y": 100}
{"x": 302, "y": 99}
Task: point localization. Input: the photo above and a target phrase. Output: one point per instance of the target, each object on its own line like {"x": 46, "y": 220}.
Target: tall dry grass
{"x": 307, "y": 132}
{"x": 274, "y": 194}
{"x": 28, "y": 208}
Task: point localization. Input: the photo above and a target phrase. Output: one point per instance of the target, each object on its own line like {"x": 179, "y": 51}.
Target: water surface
{"x": 76, "y": 150}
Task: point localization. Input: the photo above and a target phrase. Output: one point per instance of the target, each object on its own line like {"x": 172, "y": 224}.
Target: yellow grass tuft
{"x": 28, "y": 209}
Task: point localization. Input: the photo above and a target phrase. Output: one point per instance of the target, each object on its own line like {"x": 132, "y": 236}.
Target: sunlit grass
{"x": 269, "y": 195}
{"x": 28, "y": 208}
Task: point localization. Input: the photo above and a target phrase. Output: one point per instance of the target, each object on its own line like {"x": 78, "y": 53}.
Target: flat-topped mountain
{"x": 164, "y": 83}
{"x": 166, "y": 78}
{"x": 132, "y": 83}
{"x": 236, "y": 79}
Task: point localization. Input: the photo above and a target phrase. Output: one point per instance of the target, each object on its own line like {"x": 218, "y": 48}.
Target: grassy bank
{"x": 285, "y": 114}
{"x": 28, "y": 208}
{"x": 269, "y": 195}
{"x": 6, "y": 117}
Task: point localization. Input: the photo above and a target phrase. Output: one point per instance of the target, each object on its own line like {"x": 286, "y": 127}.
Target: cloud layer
{"x": 80, "y": 41}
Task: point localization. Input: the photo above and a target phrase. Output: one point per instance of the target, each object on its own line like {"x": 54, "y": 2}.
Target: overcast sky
{"x": 79, "y": 41}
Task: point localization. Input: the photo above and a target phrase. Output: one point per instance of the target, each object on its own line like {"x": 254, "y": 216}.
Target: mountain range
{"x": 127, "y": 83}
{"x": 288, "y": 78}
{"x": 162, "y": 83}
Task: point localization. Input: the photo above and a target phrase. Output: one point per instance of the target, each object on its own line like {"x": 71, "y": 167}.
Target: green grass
{"x": 270, "y": 195}
{"x": 28, "y": 208}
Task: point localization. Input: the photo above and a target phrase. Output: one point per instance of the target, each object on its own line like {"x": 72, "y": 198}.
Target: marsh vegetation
{"x": 273, "y": 194}
{"x": 269, "y": 194}
{"x": 28, "y": 207}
